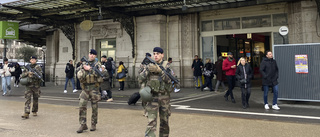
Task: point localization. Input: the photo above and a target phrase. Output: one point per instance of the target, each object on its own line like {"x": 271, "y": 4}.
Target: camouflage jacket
{"x": 89, "y": 79}
{"x": 158, "y": 82}
{"x": 35, "y": 81}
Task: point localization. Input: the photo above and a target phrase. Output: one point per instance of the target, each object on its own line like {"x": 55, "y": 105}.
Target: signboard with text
{"x": 301, "y": 63}
{"x": 9, "y": 30}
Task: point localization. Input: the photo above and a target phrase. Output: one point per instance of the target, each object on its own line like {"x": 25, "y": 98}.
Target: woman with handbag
{"x": 121, "y": 76}
{"x": 208, "y": 74}
{"x": 244, "y": 75}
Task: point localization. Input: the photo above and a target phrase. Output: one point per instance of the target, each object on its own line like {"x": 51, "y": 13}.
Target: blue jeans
{"x": 6, "y": 81}
{"x": 275, "y": 94}
{"x": 72, "y": 81}
{"x": 196, "y": 78}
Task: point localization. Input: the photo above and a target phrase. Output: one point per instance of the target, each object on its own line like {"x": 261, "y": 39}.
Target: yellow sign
{"x": 224, "y": 54}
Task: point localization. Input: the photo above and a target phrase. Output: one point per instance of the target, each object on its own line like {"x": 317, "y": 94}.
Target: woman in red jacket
{"x": 229, "y": 66}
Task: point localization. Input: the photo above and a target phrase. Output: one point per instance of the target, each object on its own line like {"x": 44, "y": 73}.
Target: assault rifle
{"x": 35, "y": 72}
{"x": 148, "y": 60}
{"x": 93, "y": 66}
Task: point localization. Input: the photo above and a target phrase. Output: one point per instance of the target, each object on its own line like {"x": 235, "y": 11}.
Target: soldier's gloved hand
{"x": 30, "y": 74}
{"x": 154, "y": 68}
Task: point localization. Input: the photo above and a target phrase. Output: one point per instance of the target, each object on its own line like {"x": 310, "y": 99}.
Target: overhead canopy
{"x": 38, "y": 18}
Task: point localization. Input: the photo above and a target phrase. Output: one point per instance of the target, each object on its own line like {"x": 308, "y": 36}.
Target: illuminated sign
{"x": 224, "y": 54}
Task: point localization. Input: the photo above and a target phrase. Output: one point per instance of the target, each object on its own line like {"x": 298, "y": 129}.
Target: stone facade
{"x": 178, "y": 35}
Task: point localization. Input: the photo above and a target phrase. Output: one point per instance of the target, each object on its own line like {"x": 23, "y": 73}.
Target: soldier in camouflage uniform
{"x": 90, "y": 82}
{"x": 32, "y": 88}
{"x": 161, "y": 88}
{"x": 143, "y": 84}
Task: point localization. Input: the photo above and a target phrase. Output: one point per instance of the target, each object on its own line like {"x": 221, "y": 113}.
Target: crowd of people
{"x": 228, "y": 70}
{"x": 156, "y": 78}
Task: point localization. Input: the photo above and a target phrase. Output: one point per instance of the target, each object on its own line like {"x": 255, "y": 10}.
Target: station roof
{"x": 38, "y": 18}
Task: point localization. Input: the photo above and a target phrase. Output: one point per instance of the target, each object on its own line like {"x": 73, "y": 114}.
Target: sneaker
{"x": 74, "y": 91}
{"x": 266, "y": 106}
{"x": 65, "y": 91}
{"x": 206, "y": 88}
{"x": 34, "y": 114}
{"x": 17, "y": 86}
{"x": 14, "y": 85}
{"x": 25, "y": 116}
{"x": 176, "y": 90}
{"x": 275, "y": 107}
{"x": 110, "y": 100}
{"x": 104, "y": 93}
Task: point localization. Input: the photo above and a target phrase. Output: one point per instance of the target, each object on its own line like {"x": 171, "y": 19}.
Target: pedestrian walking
{"x": 17, "y": 73}
{"x": 90, "y": 81}
{"x": 32, "y": 84}
{"x": 270, "y": 73}
{"x": 111, "y": 67}
{"x": 244, "y": 75}
{"x": 229, "y": 66}
{"x": 69, "y": 76}
{"x": 157, "y": 94}
{"x": 220, "y": 74}
{"x": 208, "y": 74}
{"x": 197, "y": 66}
{"x": 6, "y": 76}
{"x": 121, "y": 69}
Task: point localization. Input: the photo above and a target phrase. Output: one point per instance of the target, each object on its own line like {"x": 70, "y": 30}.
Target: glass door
{"x": 106, "y": 47}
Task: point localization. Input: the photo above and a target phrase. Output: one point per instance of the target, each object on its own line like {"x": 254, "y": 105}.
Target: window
{"x": 107, "y": 47}
{"x": 227, "y": 24}
{"x": 256, "y": 21}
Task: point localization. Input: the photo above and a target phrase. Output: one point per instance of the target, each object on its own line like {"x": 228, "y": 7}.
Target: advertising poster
{"x": 301, "y": 63}
{"x": 9, "y": 30}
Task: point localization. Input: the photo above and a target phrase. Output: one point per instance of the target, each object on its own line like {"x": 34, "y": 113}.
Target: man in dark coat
{"x": 197, "y": 66}
{"x": 269, "y": 71}
{"x": 229, "y": 66}
{"x": 69, "y": 76}
{"x": 220, "y": 74}
{"x": 109, "y": 68}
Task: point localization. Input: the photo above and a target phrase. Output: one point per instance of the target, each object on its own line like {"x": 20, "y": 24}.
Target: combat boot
{"x": 34, "y": 113}
{"x": 25, "y": 115}
{"x": 93, "y": 127}
{"x": 82, "y": 127}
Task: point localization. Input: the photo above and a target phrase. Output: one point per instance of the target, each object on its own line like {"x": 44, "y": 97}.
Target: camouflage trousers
{"x": 85, "y": 96}
{"x": 161, "y": 104}
{"x": 35, "y": 92}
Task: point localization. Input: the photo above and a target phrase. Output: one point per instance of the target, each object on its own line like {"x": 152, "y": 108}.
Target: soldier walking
{"x": 90, "y": 82}
{"x": 159, "y": 87}
{"x": 32, "y": 87}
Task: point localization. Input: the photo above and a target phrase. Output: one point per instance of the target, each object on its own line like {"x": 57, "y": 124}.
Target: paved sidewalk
{"x": 62, "y": 121}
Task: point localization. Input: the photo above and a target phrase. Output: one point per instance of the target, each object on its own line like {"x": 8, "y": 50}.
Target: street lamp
{"x": 44, "y": 48}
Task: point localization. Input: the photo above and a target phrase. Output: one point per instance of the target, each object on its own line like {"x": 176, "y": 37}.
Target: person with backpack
{"x": 121, "y": 68}
{"x": 111, "y": 67}
{"x": 208, "y": 74}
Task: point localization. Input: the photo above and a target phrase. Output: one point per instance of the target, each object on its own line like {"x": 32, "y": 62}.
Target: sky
{"x": 7, "y": 1}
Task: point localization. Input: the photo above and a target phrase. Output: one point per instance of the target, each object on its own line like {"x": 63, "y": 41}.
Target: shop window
{"x": 206, "y": 25}
{"x": 227, "y": 24}
{"x": 280, "y": 19}
{"x": 256, "y": 21}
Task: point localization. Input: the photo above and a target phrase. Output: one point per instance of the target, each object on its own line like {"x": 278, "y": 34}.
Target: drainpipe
{"x": 167, "y": 29}
{"x": 135, "y": 49}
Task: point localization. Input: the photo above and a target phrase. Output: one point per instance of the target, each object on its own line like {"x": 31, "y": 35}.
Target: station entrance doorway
{"x": 250, "y": 46}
